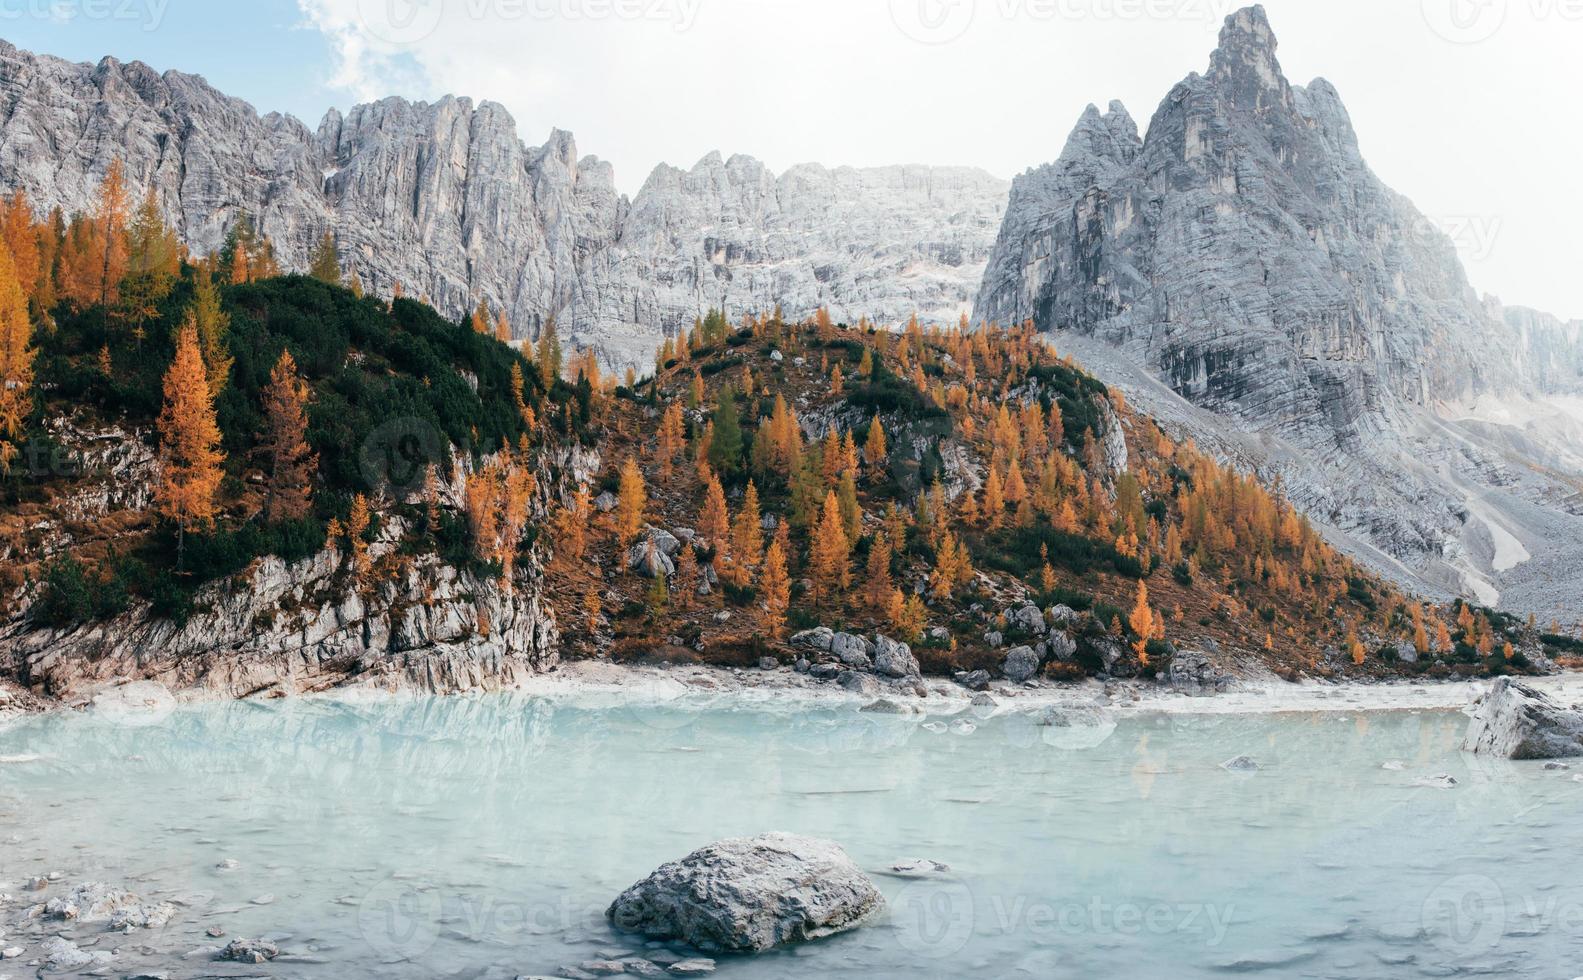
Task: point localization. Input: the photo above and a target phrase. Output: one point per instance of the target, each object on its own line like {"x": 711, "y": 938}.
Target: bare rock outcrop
{"x": 1515, "y": 721}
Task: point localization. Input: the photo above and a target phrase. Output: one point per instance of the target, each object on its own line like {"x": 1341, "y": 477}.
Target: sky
{"x": 1469, "y": 107}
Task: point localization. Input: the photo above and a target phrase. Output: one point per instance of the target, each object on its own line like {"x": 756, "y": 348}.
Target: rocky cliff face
{"x": 1243, "y": 254}
{"x": 446, "y": 200}
{"x": 414, "y": 623}
{"x": 883, "y": 243}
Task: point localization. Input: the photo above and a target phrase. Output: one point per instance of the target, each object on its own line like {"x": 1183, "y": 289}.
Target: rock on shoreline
{"x": 1514, "y": 721}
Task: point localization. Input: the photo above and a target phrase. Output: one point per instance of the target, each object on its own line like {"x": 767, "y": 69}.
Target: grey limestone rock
{"x": 750, "y": 894}
{"x": 1514, "y": 721}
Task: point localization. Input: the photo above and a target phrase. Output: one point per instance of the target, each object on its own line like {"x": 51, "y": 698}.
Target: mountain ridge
{"x": 446, "y": 199}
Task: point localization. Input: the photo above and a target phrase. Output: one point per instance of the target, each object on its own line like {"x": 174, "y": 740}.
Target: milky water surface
{"x": 485, "y": 836}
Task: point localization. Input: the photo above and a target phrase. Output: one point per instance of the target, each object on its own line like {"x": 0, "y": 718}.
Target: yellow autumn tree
{"x": 189, "y": 443}
{"x": 875, "y": 449}
{"x": 832, "y": 553}
{"x": 776, "y": 586}
{"x": 631, "y": 500}
{"x": 673, "y": 431}
{"x": 16, "y": 360}
{"x": 1145, "y": 623}
{"x": 111, "y": 212}
{"x": 876, "y": 577}
{"x": 747, "y": 536}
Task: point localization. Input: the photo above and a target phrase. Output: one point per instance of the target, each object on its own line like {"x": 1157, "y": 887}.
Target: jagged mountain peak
{"x": 1111, "y": 136}
{"x": 1244, "y": 66}
{"x": 1246, "y": 256}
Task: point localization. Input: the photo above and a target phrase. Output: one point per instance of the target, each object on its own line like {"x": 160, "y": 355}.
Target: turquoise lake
{"x": 484, "y": 836}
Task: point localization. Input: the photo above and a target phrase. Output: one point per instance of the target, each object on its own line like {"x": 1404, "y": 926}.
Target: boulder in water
{"x": 750, "y": 894}
{"x": 1514, "y": 721}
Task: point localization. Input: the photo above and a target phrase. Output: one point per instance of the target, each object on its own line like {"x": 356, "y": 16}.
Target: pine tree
{"x": 325, "y": 265}
{"x": 1144, "y": 623}
{"x": 481, "y": 320}
{"x": 356, "y": 536}
{"x": 1420, "y": 634}
{"x": 686, "y": 576}
{"x": 189, "y": 443}
{"x": 214, "y": 329}
{"x": 875, "y": 449}
{"x": 747, "y": 536}
{"x": 831, "y": 553}
{"x": 876, "y": 578}
{"x": 1355, "y": 648}
{"x": 911, "y": 619}
{"x": 994, "y": 500}
{"x": 776, "y": 586}
{"x": 153, "y": 262}
{"x": 631, "y": 501}
{"x": 16, "y": 361}
{"x": 851, "y": 510}
{"x": 548, "y": 354}
{"x": 284, "y": 445}
{"x": 573, "y": 525}
{"x": 725, "y": 447}
{"x": 673, "y": 431}
{"x": 942, "y": 583}
{"x": 22, "y": 238}
{"x": 110, "y": 216}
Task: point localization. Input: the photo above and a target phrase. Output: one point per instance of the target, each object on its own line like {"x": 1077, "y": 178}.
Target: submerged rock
{"x": 750, "y": 894}
{"x": 1515, "y": 721}
{"x": 250, "y": 951}
{"x": 1241, "y": 763}
{"x": 63, "y": 954}
{"x": 918, "y": 868}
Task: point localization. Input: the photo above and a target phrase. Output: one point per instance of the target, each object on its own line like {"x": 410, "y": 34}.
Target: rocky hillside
{"x": 374, "y": 580}
{"x": 869, "y": 508}
{"x": 446, "y": 200}
{"x": 1242, "y": 270}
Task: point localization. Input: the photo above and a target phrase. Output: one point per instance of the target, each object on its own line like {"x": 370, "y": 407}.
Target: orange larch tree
{"x": 290, "y": 462}
{"x": 16, "y": 360}
{"x": 777, "y": 590}
{"x": 189, "y": 439}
